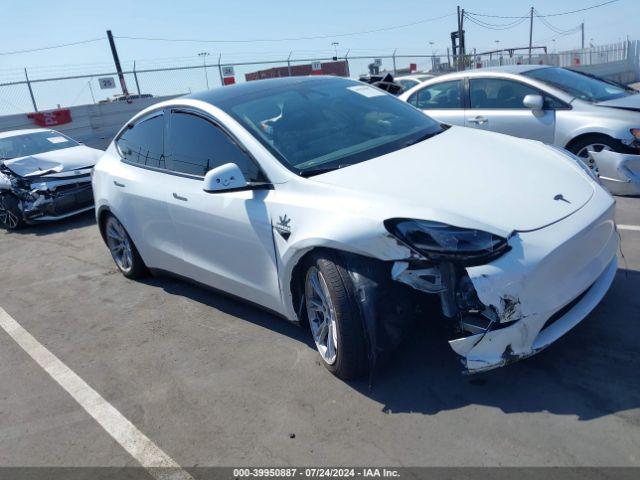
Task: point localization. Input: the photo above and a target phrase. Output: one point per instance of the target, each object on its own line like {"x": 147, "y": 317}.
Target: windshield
{"x": 315, "y": 126}
{"x": 584, "y": 87}
{"x": 33, "y": 143}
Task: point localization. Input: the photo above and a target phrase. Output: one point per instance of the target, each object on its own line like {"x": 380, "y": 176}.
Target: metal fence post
{"x": 135, "y": 76}
{"x": 220, "y": 70}
{"x": 33, "y": 99}
{"x": 394, "y": 62}
{"x": 346, "y": 59}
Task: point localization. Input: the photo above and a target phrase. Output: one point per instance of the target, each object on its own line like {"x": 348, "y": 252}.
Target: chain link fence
{"x": 29, "y": 94}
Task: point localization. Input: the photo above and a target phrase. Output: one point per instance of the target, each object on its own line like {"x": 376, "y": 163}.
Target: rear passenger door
{"x": 441, "y": 101}
{"x": 142, "y": 192}
{"x": 496, "y": 104}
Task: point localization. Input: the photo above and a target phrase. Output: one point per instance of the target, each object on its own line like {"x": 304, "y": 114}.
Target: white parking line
{"x": 148, "y": 454}
{"x": 635, "y": 228}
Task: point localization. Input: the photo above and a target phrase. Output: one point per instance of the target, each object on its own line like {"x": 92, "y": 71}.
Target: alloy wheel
{"x": 7, "y": 217}
{"x": 588, "y": 159}
{"x": 322, "y": 315}
{"x": 119, "y": 245}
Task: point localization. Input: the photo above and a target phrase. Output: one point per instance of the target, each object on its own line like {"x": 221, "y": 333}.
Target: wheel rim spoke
{"x": 321, "y": 315}
{"x": 119, "y": 245}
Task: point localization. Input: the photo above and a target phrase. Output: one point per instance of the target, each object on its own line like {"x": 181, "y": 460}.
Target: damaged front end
{"x": 619, "y": 172}
{"x": 509, "y": 298}
{"x": 45, "y": 195}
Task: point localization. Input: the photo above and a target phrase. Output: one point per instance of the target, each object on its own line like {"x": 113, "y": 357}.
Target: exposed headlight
{"x": 442, "y": 242}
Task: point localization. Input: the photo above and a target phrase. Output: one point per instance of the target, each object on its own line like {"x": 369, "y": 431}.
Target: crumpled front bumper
{"x": 619, "y": 172}
{"x": 549, "y": 281}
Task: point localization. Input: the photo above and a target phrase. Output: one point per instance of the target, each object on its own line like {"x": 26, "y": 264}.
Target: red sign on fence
{"x": 52, "y": 117}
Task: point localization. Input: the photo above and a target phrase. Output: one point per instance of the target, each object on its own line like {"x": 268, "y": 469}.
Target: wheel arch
{"x": 101, "y": 216}
{"x": 584, "y": 136}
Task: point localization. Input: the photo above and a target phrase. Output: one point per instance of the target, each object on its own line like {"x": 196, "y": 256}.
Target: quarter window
{"x": 439, "y": 96}
{"x": 196, "y": 145}
{"x": 142, "y": 142}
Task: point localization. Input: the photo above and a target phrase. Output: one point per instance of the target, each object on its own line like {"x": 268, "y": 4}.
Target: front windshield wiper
{"x": 422, "y": 138}
{"x": 317, "y": 171}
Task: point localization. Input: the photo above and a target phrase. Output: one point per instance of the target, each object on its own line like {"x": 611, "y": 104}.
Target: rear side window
{"x": 142, "y": 142}
{"x": 497, "y": 93}
{"x": 439, "y": 96}
{"x": 196, "y": 145}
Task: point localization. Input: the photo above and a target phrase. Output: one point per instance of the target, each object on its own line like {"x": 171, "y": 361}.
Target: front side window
{"x": 33, "y": 143}
{"x": 498, "y": 93}
{"x": 318, "y": 124}
{"x": 441, "y": 95}
{"x": 196, "y": 145}
{"x": 580, "y": 85}
{"x": 142, "y": 142}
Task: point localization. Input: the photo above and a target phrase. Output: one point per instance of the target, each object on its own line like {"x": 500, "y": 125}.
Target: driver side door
{"x": 496, "y": 104}
{"x": 226, "y": 236}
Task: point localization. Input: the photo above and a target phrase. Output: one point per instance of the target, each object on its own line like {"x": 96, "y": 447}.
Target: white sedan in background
{"x": 596, "y": 119}
{"x": 331, "y": 202}
{"x": 44, "y": 176}
{"x": 410, "y": 81}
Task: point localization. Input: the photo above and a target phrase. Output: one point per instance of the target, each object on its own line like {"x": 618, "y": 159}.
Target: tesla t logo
{"x": 560, "y": 198}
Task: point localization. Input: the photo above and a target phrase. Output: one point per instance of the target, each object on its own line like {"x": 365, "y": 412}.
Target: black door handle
{"x": 178, "y": 197}
{"x": 118, "y": 184}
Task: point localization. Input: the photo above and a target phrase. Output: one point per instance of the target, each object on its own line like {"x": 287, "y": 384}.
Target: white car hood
{"x": 66, "y": 160}
{"x": 631, "y": 101}
{"x": 502, "y": 182}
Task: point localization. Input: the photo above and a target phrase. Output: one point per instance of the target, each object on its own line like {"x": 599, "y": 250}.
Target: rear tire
{"x": 10, "y": 212}
{"x": 123, "y": 251}
{"x": 334, "y": 318}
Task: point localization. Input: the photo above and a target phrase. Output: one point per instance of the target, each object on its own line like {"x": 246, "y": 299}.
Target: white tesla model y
{"x": 331, "y": 202}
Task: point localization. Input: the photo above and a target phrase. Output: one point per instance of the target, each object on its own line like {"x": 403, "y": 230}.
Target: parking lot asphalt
{"x": 213, "y": 381}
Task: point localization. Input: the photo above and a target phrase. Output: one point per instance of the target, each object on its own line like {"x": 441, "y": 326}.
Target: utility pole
{"x": 459, "y": 40}
{"x": 463, "y": 48}
{"x": 116, "y": 60}
{"x": 530, "y": 35}
{"x": 582, "y": 33}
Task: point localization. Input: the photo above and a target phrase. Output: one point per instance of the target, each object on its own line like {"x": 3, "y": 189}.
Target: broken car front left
{"x": 33, "y": 198}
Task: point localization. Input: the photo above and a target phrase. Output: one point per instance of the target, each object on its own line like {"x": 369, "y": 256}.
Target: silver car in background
{"x": 595, "y": 119}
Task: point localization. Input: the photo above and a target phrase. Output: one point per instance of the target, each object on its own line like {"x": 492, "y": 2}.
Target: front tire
{"x": 10, "y": 212}
{"x": 334, "y": 318}
{"x": 594, "y": 143}
{"x": 124, "y": 252}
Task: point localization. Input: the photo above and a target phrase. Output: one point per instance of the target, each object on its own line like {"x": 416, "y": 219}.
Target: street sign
{"x": 227, "y": 72}
{"x": 106, "y": 83}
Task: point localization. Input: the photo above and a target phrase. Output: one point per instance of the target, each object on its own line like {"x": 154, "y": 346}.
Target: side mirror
{"x": 534, "y": 102}
{"x": 223, "y": 178}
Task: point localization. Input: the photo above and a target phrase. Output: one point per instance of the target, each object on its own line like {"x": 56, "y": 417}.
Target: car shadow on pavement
{"x": 589, "y": 373}
{"x": 230, "y": 306}
{"x": 47, "y": 228}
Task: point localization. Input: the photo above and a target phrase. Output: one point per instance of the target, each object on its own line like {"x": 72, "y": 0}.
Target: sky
{"x": 39, "y": 23}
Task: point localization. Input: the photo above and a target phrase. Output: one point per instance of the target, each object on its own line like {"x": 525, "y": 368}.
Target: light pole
{"x": 433, "y": 56}
{"x": 498, "y": 48}
{"x": 204, "y": 56}
{"x": 335, "y": 46}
